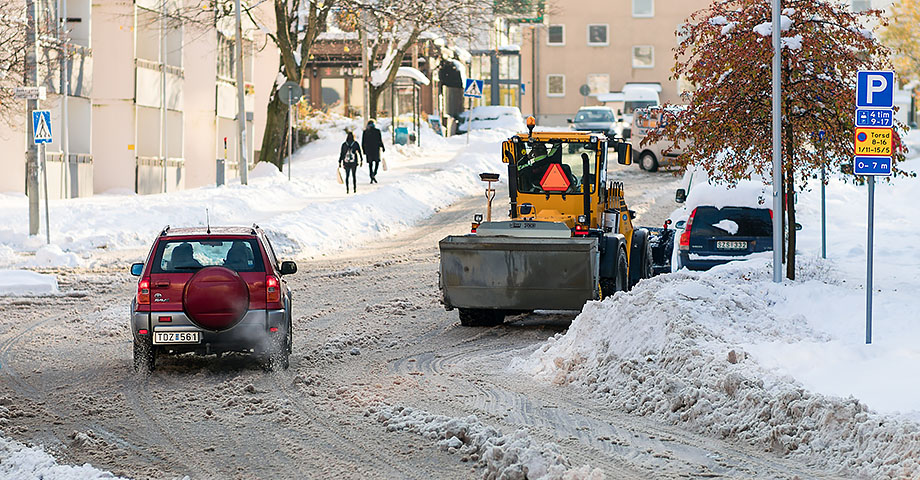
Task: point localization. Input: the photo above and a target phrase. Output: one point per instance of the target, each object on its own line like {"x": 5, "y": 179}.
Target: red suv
{"x": 212, "y": 290}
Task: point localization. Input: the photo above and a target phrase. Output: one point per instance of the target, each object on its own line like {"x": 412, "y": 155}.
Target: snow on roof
{"x": 463, "y": 54}
{"x": 339, "y": 35}
{"x": 510, "y": 48}
{"x": 637, "y": 85}
{"x": 462, "y": 69}
{"x": 413, "y": 73}
{"x": 610, "y": 97}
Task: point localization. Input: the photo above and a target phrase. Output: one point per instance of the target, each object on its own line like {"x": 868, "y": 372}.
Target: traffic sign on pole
{"x": 875, "y": 166}
{"x": 41, "y": 126}
{"x": 874, "y": 117}
{"x": 873, "y": 142}
{"x": 473, "y": 88}
{"x": 875, "y": 89}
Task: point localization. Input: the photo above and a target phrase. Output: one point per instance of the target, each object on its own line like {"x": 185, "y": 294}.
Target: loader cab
{"x": 561, "y": 176}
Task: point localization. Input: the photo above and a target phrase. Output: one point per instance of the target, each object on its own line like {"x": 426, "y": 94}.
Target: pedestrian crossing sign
{"x": 473, "y": 88}
{"x": 41, "y": 126}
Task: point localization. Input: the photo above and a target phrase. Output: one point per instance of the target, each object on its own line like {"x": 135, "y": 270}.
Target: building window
{"x": 643, "y": 56}
{"x": 226, "y": 60}
{"x": 555, "y": 85}
{"x": 860, "y": 5}
{"x": 598, "y": 83}
{"x": 597, "y": 35}
{"x": 556, "y": 35}
{"x": 643, "y": 8}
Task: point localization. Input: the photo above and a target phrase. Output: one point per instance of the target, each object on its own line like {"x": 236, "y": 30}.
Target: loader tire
{"x": 481, "y": 317}
{"x": 640, "y": 266}
{"x": 620, "y": 282}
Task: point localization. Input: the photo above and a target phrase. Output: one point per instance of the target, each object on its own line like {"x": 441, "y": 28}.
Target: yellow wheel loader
{"x": 570, "y": 236}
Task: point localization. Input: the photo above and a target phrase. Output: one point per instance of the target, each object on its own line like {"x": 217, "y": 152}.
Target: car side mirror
{"x": 619, "y": 112}
{"x": 798, "y": 226}
{"x": 288, "y": 268}
{"x": 137, "y": 269}
{"x": 680, "y": 196}
{"x": 624, "y": 153}
{"x": 568, "y": 120}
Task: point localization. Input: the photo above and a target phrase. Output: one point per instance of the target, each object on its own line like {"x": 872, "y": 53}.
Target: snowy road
{"x": 371, "y": 339}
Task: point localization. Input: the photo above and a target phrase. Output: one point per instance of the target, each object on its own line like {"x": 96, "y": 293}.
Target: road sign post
{"x": 472, "y": 89}
{"x": 290, "y": 93}
{"x": 41, "y": 135}
{"x": 872, "y": 151}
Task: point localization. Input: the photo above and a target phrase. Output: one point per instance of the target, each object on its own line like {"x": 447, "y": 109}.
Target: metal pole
{"x": 31, "y": 78}
{"x": 777, "y": 150}
{"x": 366, "y": 69}
{"x": 45, "y": 178}
{"x": 290, "y": 132}
{"x": 823, "y": 216}
{"x": 164, "y": 149}
{"x": 869, "y": 262}
{"x": 241, "y": 99}
{"x": 65, "y": 89}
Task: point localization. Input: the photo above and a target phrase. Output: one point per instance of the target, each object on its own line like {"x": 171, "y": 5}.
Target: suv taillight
{"x": 685, "y": 237}
{"x": 272, "y": 289}
{"x": 143, "y": 291}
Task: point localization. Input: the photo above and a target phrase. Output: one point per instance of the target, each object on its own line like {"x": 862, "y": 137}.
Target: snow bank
{"x": 674, "y": 349}
{"x": 31, "y": 463}
{"x": 24, "y": 282}
{"x": 306, "y": 216}
{"x": 515, "y": 456}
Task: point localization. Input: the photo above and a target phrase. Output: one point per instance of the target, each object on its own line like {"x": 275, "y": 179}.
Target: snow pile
{"x": 24, "y": 282}
{"x": 515, "y": 456}
{"x": 24, "y": 463}
{"x": 673, "y": 349}
{"x": 493, "y": 117}
{"x": 306, "y": 216}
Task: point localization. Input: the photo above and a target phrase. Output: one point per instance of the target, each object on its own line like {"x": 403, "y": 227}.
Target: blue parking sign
{"x": 875, "y": 89}
{"x": 875, "y": 166}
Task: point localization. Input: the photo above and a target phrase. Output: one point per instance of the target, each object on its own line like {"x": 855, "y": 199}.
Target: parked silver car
{"x": 598, "y": 119}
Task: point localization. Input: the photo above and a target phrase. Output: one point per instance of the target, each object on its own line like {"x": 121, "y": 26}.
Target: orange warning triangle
{"x": 555, "y": 180}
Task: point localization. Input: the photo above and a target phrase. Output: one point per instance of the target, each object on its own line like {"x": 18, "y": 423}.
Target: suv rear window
{"x": 241, "y": 255}
{"x": 732, "y": 221}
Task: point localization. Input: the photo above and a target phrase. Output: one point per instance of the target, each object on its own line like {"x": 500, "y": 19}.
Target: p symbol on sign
{"x": 875, "y": 84}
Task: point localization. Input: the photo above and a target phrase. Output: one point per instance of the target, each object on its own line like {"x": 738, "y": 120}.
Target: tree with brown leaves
{"x": 726, "y": 54}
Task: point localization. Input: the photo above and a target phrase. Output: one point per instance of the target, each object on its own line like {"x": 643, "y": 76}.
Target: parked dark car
{"x": 211, "y": 291}
{"x": 597, "y": 119}
{"x": 712, "y": 236}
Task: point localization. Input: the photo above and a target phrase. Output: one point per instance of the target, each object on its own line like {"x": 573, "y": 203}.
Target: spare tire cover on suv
{"x": 215, "y": 298}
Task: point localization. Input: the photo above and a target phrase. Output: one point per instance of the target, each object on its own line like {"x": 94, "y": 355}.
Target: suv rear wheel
{"x": 481, "y": 317}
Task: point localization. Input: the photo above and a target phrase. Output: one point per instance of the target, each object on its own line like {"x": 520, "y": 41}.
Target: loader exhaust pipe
{"x": 586, "y": 188}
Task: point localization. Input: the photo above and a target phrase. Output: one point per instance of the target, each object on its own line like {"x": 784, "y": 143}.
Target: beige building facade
{"x": 603, "y": 44}
{"x": 113, "y": 138}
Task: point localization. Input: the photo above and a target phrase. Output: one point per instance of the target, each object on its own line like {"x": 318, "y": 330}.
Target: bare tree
{"x": 393, "y": 27}
{"x": 13, "y": 49}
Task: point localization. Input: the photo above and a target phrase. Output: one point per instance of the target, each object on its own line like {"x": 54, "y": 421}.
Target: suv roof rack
{"x": 255, "y": 228}
{"x": 165, "y": 229}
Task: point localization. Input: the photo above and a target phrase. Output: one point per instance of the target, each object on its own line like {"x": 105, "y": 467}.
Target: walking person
{"x": 372, "y": 142}
{"x": 350, "y": 157}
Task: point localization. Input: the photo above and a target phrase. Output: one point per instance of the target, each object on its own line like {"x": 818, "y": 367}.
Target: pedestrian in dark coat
{"x": 372, "y": 142}
{"x": 350, "y": 157}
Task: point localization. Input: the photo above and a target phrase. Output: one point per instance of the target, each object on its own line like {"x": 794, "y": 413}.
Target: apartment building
{"x": 123, "y": 130}
{"x": 603, "y": 44}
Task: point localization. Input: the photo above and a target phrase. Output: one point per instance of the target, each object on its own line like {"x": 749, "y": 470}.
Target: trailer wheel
{"x": 648, "y": 162}
{"x": 481, "y": 317}
{"x": 641, "y": 255}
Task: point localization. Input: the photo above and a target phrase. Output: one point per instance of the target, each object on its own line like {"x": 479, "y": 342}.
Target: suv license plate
{"x": 731, "y": 245}
{"x": 176, "y": 337}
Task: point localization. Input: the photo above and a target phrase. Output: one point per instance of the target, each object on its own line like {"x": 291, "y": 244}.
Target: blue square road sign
{"x": 871, "y": 117}
{"x": 473, "y": 88}
{"x": 41, "y": 126}
{"x": 875, "y": 89}
{"x": 876, "y": 166}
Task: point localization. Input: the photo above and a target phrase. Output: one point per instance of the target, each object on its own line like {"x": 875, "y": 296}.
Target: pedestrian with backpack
{"x": 350, "y": 157}
{"x": 372, "y": 142}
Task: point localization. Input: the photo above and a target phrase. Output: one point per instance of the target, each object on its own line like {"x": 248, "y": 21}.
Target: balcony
{"x": 148, "y": 80}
